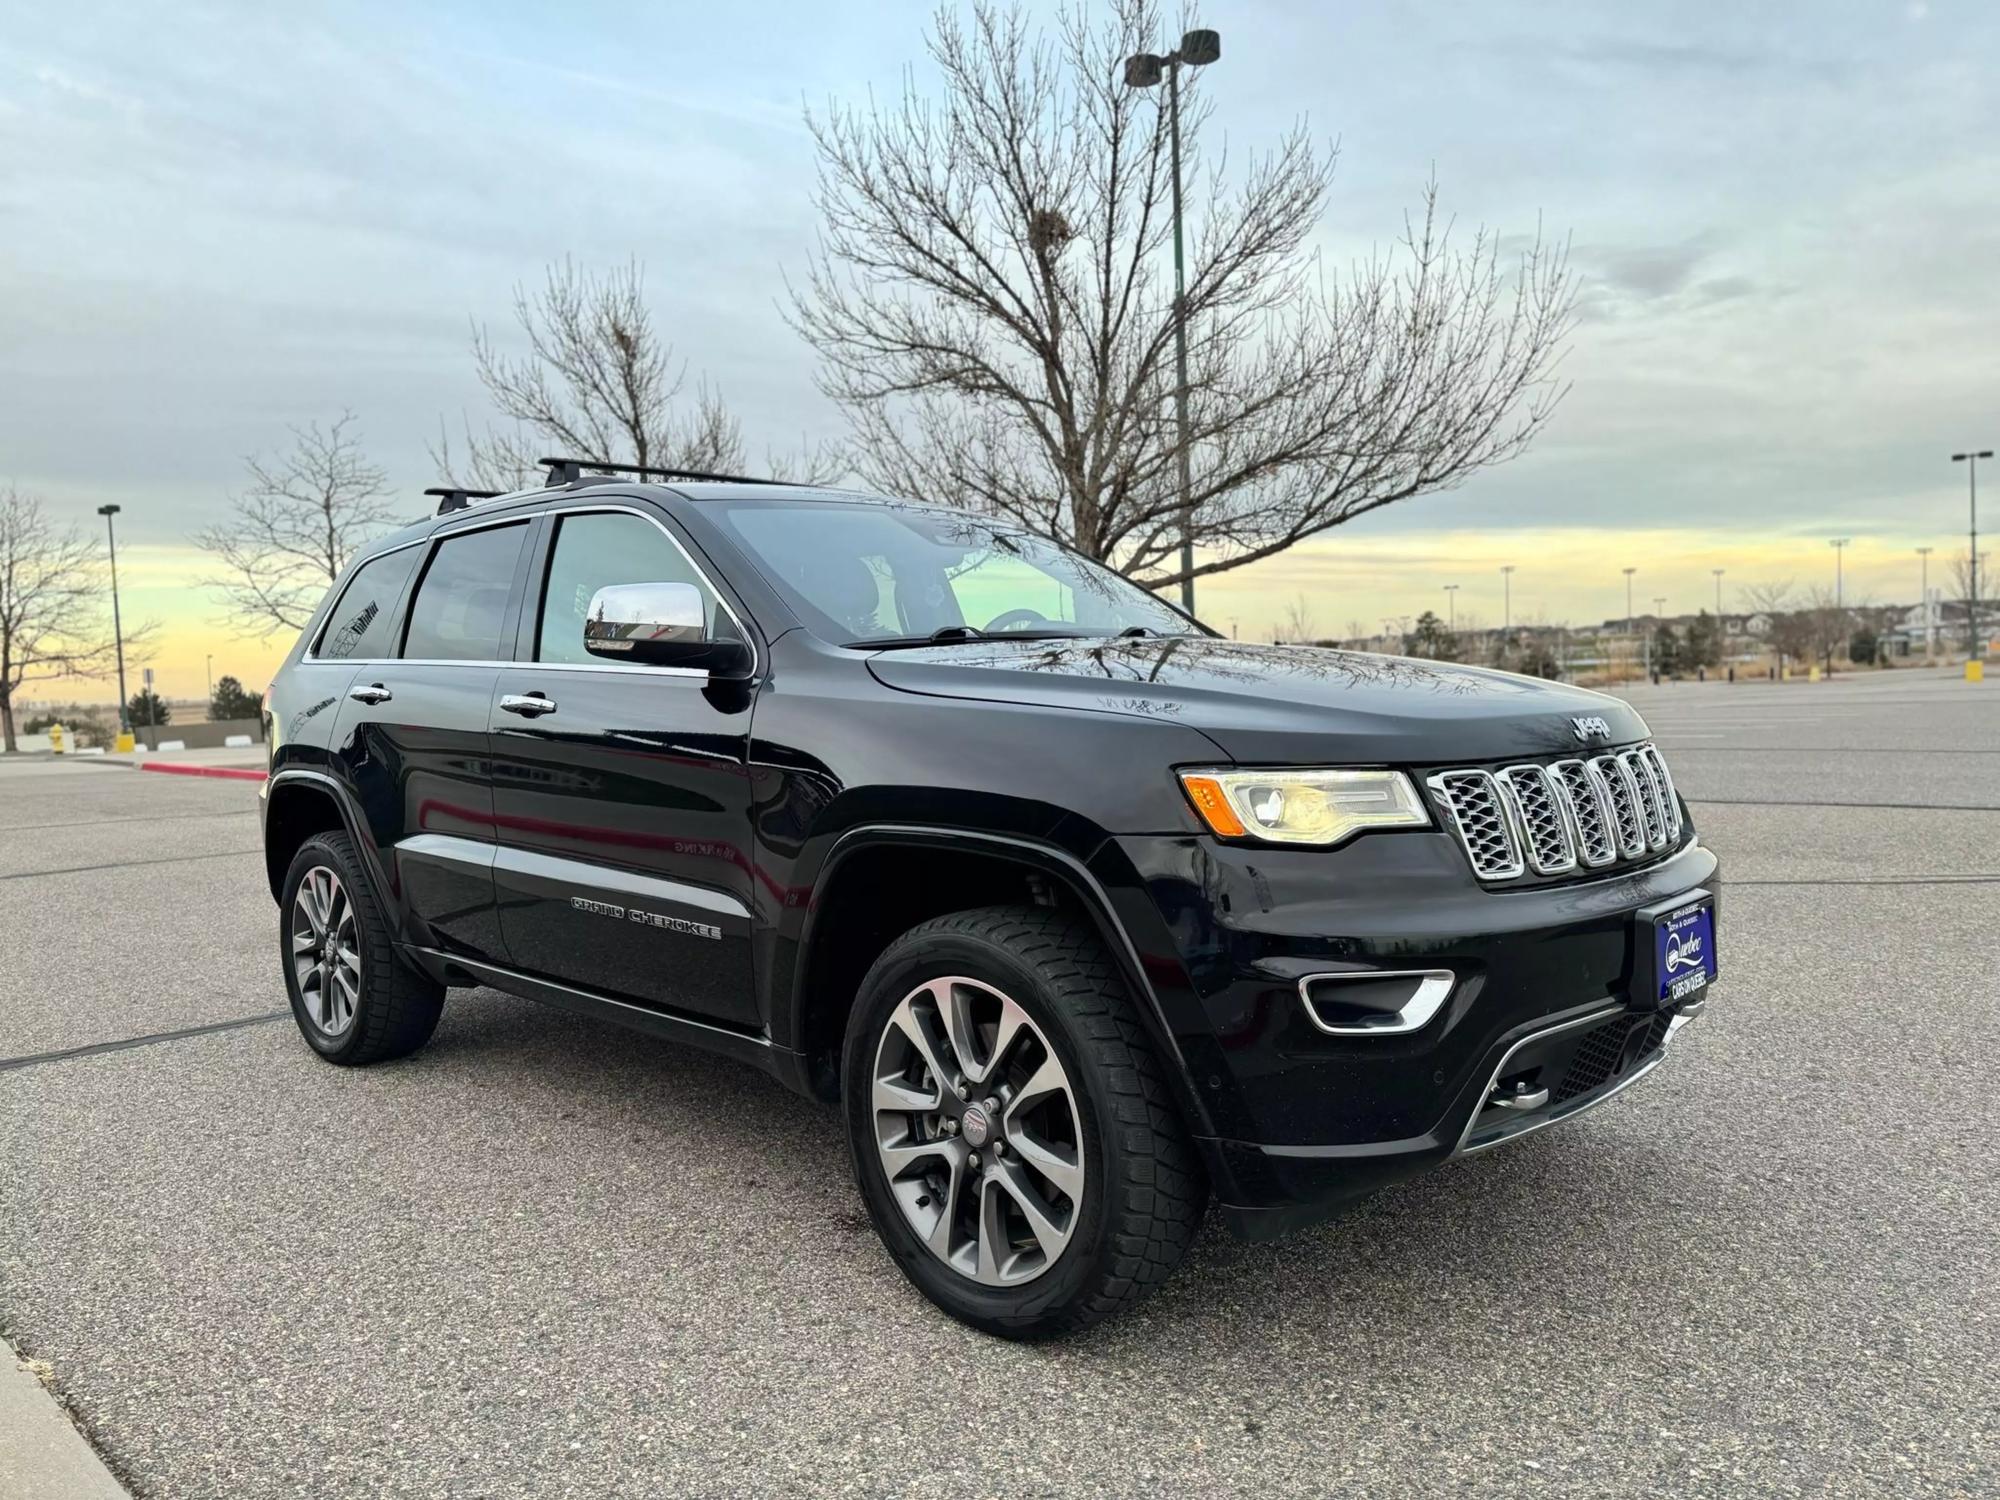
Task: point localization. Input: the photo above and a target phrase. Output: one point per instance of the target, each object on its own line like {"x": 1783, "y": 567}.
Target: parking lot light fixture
{"x": 1451, "y": 601}
{"x": 1839, "y": 545}
{"x": 1971, "y": 461}
{"x": 1718, "y": 592}
{"x": 1924, "y": 598}
{"x": 1144, "y": 70}
{"x": 1507, "y": 596}
{"x": 117, "y": 625}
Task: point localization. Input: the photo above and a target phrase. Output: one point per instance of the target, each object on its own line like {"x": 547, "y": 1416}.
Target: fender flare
{"x": 1050, "y": 860}
{"x": 352, "y": 822}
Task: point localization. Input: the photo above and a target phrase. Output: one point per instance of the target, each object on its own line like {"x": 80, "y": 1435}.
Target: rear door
{"x": 621, "y": 792}
{"x": 412, "y": 742}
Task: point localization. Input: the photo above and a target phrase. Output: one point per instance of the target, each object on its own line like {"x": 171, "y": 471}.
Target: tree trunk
{"x": 7, "y": 742}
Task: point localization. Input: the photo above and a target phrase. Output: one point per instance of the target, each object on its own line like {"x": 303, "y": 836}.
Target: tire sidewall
{"x": 1016, "y": 1310}
{"x": 316, "y": 853}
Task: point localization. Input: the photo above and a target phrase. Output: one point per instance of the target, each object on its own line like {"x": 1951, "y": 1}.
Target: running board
{"x": 759, "y": 1051}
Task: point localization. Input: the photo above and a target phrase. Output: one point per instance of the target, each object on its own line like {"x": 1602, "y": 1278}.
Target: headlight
{"x": 1303, "y": 807}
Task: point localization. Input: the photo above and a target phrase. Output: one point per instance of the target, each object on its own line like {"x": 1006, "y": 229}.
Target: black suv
{"x": 1081, "y": 912}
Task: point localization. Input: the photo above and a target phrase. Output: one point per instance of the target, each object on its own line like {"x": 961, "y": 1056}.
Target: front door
{"x": 411, "y": 741}
{"x": 621, "y": 793}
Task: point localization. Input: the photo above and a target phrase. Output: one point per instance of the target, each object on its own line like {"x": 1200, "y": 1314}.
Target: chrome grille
{"x": 1664, "y": 779}
{"x": 1623, "y": 796}
{"x": 1550, "y": 846}
{"x": 1472, "y": 799}
{"x": 1596, "y": 840}
{"x": 1650, "y": 811}
{"x": 1553, "y": 819}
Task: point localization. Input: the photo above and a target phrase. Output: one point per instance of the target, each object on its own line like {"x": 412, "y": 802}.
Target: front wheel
{"x": 1010, "y": 1125}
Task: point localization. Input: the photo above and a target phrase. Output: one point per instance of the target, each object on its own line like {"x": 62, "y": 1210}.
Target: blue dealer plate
{"x": 1684, "y": 952}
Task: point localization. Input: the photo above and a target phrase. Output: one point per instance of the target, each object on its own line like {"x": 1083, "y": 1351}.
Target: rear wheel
{"x": 356, "y": 999}
{"x": 1010, "y": 1125}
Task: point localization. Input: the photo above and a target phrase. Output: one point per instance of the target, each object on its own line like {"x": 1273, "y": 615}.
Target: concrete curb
{"x": 233, "y": 773}
{"x": 41, "y": 1452}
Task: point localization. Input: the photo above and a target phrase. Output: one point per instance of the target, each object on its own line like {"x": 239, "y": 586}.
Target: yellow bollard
{"x": 1814, "y": 675}
{"x": 124, "y": 743}
{"x": 55, "y": 739}
{"x": 1975, "y": 671}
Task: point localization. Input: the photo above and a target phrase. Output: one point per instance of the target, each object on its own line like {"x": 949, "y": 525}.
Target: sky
{"x": 221, "y": 220}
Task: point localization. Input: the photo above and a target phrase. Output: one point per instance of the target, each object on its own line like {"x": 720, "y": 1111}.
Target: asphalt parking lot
{"x": 547, "y": 1258}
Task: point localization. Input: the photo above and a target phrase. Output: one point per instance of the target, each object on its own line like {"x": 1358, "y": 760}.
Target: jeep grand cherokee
{"x": 1081, "y": 913}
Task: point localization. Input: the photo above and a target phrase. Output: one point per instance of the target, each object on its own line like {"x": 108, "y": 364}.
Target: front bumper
{"x": 1303, "y": 1121}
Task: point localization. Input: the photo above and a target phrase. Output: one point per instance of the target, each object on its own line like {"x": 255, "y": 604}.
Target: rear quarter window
{"x": 362, "y": 622}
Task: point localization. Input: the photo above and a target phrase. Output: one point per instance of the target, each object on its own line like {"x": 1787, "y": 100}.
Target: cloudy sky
{"x": 223, "y": 219}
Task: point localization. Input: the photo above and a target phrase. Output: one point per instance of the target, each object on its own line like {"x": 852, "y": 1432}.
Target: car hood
{"x": 1270, "y": 705}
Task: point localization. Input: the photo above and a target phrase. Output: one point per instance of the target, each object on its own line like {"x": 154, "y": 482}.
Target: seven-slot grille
{"x": 1586, "y": 813}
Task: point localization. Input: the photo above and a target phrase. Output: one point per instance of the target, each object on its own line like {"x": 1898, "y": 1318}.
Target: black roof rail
{"x": 570, "y": 470}
{"x": 451, "y": 498}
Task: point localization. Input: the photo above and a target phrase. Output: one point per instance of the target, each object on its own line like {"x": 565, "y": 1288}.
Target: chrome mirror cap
{"x": 627, "y": 619}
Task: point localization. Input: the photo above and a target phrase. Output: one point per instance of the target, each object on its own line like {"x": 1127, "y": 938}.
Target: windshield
{"x": 887, "y": 574}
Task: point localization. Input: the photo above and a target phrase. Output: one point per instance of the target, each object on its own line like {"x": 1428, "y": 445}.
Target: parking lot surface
{"x": 548, "y": 1258}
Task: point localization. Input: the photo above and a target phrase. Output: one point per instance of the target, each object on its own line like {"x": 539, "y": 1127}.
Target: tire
{"x": 361, "y": 1002}
{"x": 1112, "y": 1135}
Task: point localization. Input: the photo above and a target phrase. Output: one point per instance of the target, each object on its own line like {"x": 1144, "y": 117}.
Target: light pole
{"x": 1628, "y": 601}
{"x": 1507, "y": 596}
{"x": 1142, "y": 71}
{"x": 1924, "y": 599}
{"x": 1718, "y": 593}
{"x": 1659, "y": 619}
{"x": 117, "y": 625}
{"x": 1971, "y": 461}
{"x": 1451, "y": 596}
{"x": 211, "y": 677}
{"x": 1839, "y": 545}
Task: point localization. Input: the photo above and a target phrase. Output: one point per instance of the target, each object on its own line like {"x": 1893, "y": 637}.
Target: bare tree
{"x": 990, "y": 307}
{"x": 1770, "y": 598}
{"x": 1298, "y": 626}
{"x": 1963, "y": 580}
{"x": 598, "y": 383}
{"x": 290, "y": 534}
{"x": 53, "y": 620}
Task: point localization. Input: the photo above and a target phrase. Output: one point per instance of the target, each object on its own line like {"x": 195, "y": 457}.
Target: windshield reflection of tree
{"x": 977, "y": 541}
{"x": 1146, "y": 661}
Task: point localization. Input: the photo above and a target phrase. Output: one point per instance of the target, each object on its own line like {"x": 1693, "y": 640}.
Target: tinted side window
{"x": 596, "y": 549}
{"x": 362, "y": 624}
{"x": 461, "y": 603}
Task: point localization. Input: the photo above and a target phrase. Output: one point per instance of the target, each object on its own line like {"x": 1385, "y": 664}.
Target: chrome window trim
{"x": 1417, "y": 1012}
{"x": 554, "y": 512}
{"x": 559, "y": 511}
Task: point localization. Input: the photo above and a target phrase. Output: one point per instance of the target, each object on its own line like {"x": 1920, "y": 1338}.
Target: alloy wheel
{"x": 325, "y": 960}
{"x": 977, "y": 1131}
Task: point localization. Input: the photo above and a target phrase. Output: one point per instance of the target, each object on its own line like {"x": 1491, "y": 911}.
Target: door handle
{"x": 374, "y": 692}
{"x": 530, "y": 705}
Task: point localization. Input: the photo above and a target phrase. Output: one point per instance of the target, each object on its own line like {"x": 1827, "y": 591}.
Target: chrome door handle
{"x": 373, "y": 693}
{"x": 531, "y": 705}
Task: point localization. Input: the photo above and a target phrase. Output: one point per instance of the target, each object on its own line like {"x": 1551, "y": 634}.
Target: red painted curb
{"x": 233, "y": 773}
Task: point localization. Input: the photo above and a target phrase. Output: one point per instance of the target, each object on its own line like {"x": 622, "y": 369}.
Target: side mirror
{"x": 660, "y": 625}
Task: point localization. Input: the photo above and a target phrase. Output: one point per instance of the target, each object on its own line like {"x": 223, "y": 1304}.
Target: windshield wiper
{"x": 951, "y": 635}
